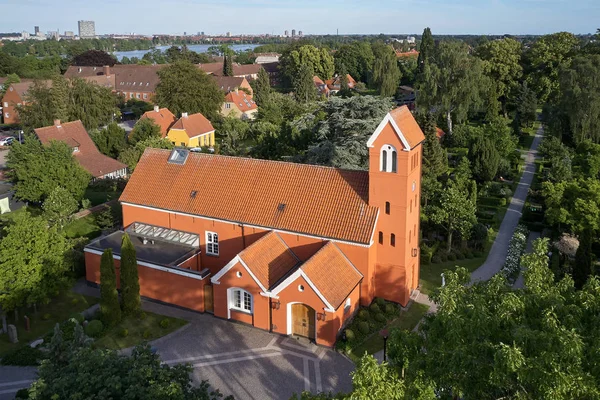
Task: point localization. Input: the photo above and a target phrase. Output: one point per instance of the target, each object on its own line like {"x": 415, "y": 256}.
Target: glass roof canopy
{"x": 170, "y": 235}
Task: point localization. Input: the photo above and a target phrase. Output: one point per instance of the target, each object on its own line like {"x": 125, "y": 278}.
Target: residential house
{"x": 248, "y": 71}
{"x": 16, "y": 95}
{"x": 75, "y": 71}
{"x": 230, "y": 83}
{"x": 288, "y": 248}
{"x": 162, "y": 117}
{"x": 335, "y": 84}
{"x": 272, "y": 69}
{"x": 412, "y": 53}
{"x": 84, "y": 149}
{"x": 321, "y": 86}
{"x": 239, "y": 104}
{"x": 192, "y": 131}
{"x": 266, "y": 58}
{"x": 137, "y": 81}
{"x": 407, "y": 96}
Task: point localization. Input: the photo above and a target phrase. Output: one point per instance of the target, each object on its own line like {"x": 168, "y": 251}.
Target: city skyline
{"x": 274, "y": 17}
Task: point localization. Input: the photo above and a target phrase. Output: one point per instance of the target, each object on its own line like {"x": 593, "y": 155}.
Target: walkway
{"x": 495, "y": 260}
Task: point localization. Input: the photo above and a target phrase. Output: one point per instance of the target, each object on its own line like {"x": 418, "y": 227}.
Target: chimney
{"x": 156, "y": 108}
{"x": 184, "y": 115}
{"x": 106, "y": 70}
{"x": 57, "y": 123}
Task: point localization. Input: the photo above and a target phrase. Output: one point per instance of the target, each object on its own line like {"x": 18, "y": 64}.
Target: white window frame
{"x": 388, "y": 159}
{"x": 145, "y": 95}
{"x": 348, "y": 305}
{"x": 241, "y": 300}
{"x": 5, "y": 104}
{"x": 212, "y": 243}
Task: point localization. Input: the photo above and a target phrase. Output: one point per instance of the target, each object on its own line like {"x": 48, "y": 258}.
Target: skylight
{"x": 178, "y": 156}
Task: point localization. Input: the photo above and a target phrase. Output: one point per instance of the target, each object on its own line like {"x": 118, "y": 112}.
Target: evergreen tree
{"x": 435, "y": 159}
{"x": 109, "y": 297}
{"x": 485, "y": 158}
{"x": 130, "y": 284}
{"x": 227, "y": 65}
{"x": 583, "y": 260}
{"x": 526, "y": 106}
{"x": 304, "y": 87}
{"x": 60, "y": 98}
{"x": 262, "y": 88}
{"x": 425, "y": 50}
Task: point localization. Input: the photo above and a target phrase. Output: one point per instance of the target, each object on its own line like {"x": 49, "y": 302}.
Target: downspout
{"x": 243, "y": 235}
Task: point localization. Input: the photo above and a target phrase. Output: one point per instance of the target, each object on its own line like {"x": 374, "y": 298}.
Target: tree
{"x": 526, "y": 106}
{"x": 143, "y": 130}
{"x": 33, "y": 261}
{"x": 110, "y": 140}
{"x": 227, "y": 65}
{"x": 262, "y": 88}
{"x": 88, "y": 373}
{"x": 534, "y": 343}
{"x": 582, "y": 268}
{"x": 132, "y": 154}
{"x": 435, "y": 159}
{"x": 451, "y": 83}
{"x": 94, "y": 58}
{"x": 318, "y": 59}
{"x": 386, "y": 74}
{"x": 10, "y": 79}
{"x": 94, "y": 105}
{"x": 59, "y": 206}
{"x": 183, "y": 87}
{"x": 232, "y": 132}
{"x": 375, "y": 381}
{"x": 36, "y": 170}
{"x": 37, "y": 111}
{"x": 109, "y": 297}
{"x": 130, "y": 283}
{"x": 426, "y": 50}
{"x": 304, "y": 87}
{"x": 356, "y": 58}
{"x": 455, "y": 212}
{"x": 485, "y": 159}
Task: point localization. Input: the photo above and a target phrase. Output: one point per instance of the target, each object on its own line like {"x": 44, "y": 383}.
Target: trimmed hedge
{"x": 363, "y": 314}
{"x": 363, "y": 327}
{"x": 350, "y": 335}
{"x": 94, "y": 328}
{"x": 24, "y": 356}
{"x": 491, "y": 201}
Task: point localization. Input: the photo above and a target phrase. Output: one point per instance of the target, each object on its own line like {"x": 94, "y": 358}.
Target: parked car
{"x": 6, "y": 141}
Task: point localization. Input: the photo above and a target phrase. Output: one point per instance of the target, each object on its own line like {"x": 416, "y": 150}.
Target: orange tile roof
{"x": 318, "y": 81}
{"x": 408, "y": 125}
{"x": 102, "y": 80}
{"x": 410, "y": 53}
{"x": 22, "y": 87}
{"x": 241, "y": 100}
{"x": 269, "y": 259}
{"x": 335, "y": 83}
{"x": 332, "y": 273}
{"x": 162, "y": 117}
{"x": 194, "y": 125}
{"x": 75, "y": 71}
{"x": 75, "y": 135}
{"x": 315, "y": 200}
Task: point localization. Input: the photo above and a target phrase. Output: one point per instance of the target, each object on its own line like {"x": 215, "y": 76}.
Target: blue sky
{"x": 310, "y": 16}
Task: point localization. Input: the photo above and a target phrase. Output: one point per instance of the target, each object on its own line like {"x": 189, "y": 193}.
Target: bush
{"x": 390, "y": 308}
{"x": 379, "y": 317}
{"x": 363, "y": 327}
{"x": 146, "y": 334}
{"x": 22, "y": 394}
{"x": 77, "y": 317}
{"x": 380, "y": 301}
{"x": 478, "y": 254}
{"x": 85, "y": 204}
{"x": 451, "y": 256}
{"x": 503, "y": 202}
{"x": 94, "y": 328}
{"x": 436, "y": 259}
{"x": 46, "y": 317}
{"x": 349, "y": 335}
{"x": 459, "y": 255}
{"x": 444, "y": 256}
{"x": 74, "y": 301}
{"x": 375, "y": 308}
{"x": 142, "y": 315}
{"x": 516, "y": 247}
{"x": 124, "y": 332}
{"x": 363, "y": 314}
{"x": 469, "y": 254}
{"x": 165, "y": 323}
{"x": 24, "y": 356}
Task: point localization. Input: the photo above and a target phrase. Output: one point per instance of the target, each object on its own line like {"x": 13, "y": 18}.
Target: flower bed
{"x": 516, "y": 247}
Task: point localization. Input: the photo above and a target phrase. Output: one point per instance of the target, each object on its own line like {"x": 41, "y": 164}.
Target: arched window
{"x": 241, "y": 300}
{"x": 393, "y": 240}
{"x": 389, "y": 159}
{"x": 387, "y": 207}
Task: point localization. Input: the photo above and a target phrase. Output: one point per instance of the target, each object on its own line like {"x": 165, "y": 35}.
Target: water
{"x": 198, "y": 48}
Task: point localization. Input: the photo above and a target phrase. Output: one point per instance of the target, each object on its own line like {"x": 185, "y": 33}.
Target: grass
{"x": 528, "y": 135}
{"x": 407, "y": 320}
{"x": 59, "y": 309}
{"x": 96, "y": 196}
{"x": 83, "y": 227}
{"x": 139, "y": 330}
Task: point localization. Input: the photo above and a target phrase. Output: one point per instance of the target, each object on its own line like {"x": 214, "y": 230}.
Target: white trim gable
{"x": 299, "y": 273}
{"x": 388, "y": 119}
{"x": 215, "y": 279}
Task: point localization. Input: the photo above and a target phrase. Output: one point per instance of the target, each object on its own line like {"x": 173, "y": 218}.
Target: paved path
{"x": 14, "y": 378}
{"x": 495, "y": 260}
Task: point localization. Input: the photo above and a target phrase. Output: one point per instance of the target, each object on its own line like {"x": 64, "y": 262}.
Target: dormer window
{"x": 389, "y": 159}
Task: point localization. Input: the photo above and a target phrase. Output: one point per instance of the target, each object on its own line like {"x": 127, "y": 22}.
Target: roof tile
{"x": 194, "y": 125}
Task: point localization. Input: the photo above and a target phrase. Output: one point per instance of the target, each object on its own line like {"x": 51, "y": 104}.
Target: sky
{"x": 310, "y": 16}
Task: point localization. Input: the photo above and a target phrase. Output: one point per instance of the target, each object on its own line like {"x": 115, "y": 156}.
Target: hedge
{"x": 491, "y": 201}
{"x": 516, "y": 247}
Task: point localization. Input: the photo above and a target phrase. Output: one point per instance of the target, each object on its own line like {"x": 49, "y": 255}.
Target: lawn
{"x": 58, "y": 310}
{"x": 83, "y": 227}
{"x": 527, "y": 136}
{"x": 407, "y": 320}
{"x": 98, "y": 196}
{"x": 138, "y": 330}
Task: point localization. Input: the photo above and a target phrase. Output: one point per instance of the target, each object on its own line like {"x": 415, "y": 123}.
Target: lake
{"x": 198, "y": 48}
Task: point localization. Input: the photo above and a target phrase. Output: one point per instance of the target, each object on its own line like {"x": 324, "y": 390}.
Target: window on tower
{"x": 387, "y": 207}
{"x": 389, "y": 159}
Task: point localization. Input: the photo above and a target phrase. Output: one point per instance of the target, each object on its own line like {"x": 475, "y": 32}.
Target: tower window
{"x": 380, "y": 237}
{"x": 389, "y": 159}
{"x": 393, "y": 240}
{"x": 387, "y": 207}
{"x": 409, "y": 236}
{"x": 411, "y": 206}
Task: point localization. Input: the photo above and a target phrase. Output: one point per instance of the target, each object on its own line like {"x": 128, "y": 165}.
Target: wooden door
{"x": 208, "y": 298}
{"x": 303, "y": 321}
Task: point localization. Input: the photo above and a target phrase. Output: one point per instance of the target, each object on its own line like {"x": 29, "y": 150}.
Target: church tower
{"x": 395, "y": 151}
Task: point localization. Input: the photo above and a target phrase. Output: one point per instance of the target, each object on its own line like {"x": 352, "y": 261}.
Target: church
{"x": 289, "y": 248}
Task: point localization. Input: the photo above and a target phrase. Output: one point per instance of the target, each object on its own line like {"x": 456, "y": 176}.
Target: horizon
{"x": 259, "y": 17}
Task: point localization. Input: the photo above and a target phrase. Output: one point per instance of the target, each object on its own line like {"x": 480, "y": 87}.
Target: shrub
{"x": 503, "y": 202}
{"x": 469, "y": 254}
{"x": 46, "y": 317}
{"x": 436, "y": 259}
{"x": 74, "y": 301}
{"x": 77, "y": 317}
{"x": 363, "y": 327}
{"x": 478, "y": 254}
{"x": 85, "y": 204}
{"x": 142, "y": 315}
{"x": 444, "y": 256}
{"x": 22, "y": 394}
{"x": 124, "y": 332}
{"x": 94, "y": 328}
{"x": 363, "y": 314}
{"x": 165, "y": 323}
{"x": 379, "y": 317}
{"x": 380, "y": 301}
{"x": 459, "y": 255}
{"x": 451, "y": 257}
{"x": 146, "y": 334}
{"x": 390, "y": 308}
{"x": 23, "y": 356}
{"x": 375, "y": 308}
{"x": 516, "y": 247}
{"x": 350, "y": 335}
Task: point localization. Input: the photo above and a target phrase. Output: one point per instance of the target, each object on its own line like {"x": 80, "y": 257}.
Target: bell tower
{"x": 395, "y": 151}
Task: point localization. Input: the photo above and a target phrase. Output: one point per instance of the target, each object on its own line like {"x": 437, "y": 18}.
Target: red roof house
{"x": 162, "y": 117}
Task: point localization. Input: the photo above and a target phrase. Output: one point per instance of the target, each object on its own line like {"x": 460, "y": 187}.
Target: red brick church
{"x": 288, "y": 248}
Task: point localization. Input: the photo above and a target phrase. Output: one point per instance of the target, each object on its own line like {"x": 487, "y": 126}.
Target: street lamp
{"x": 384, "y": 334}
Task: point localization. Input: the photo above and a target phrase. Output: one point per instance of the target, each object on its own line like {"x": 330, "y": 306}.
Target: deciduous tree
{"x": 144, "y": 129}
{"x": 455, "y": 212}
{"x": 386, "y": 74}
{"x": 93, "y": 58}
{"x": 132, "y": 154}
{"x": 318, "y": 59}
{"x": 110, "y": 140}
{"x": 59, "y": 206}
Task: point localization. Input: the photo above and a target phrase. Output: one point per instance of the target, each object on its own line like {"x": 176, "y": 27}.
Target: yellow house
{"x": 240, "y": 105}
{"x": 192, "y": 131}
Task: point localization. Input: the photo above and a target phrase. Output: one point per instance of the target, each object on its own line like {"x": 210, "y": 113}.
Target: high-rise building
{"x": 286, "y": 34}
{"x": 36, "y": 30}
{"x": 228, "y": 34}
{"x": 293, "y": 33}
{"x": 87, "y": 29}
{"x": 300, "y": 33}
